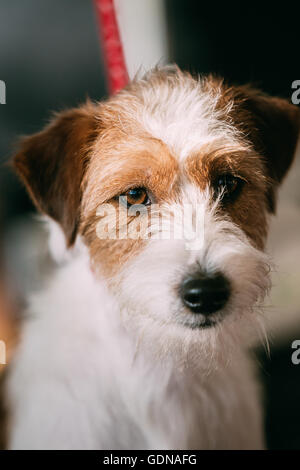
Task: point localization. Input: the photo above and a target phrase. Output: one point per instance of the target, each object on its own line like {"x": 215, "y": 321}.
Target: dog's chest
{"x": 76, "y": 384}
{"x": 164, "y": 409}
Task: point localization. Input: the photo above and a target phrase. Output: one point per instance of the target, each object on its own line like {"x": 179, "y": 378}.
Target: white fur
{"x": 186, "y": 118}
{"x": 180, "y": 113}
{"x": 177, "y": 110}
{"x": 78, "y": 383}
{"x": 147, "y": 288}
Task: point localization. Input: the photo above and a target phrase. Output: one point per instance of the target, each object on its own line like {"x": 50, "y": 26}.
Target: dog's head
{"x": 185, "y": 172}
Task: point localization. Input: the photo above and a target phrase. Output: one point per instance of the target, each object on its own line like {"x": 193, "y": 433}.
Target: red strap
{"x": 111, "y": 45}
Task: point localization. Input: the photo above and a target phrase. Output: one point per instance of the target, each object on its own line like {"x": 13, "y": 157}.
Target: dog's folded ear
{"x": 52, "y": 164}
{"x": 273, "y": 126}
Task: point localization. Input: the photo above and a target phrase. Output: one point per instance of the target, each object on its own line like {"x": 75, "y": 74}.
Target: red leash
{"x": 116, "y": 69}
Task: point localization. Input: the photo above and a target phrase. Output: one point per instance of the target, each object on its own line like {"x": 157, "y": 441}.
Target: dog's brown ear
{"x": 52, "y": 164}
{"x": 273, "y": 125}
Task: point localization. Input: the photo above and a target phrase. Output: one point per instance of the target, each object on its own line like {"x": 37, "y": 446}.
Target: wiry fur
{"x": 109, "y": 356}
{"x": 187, "y": 116}
{"x": 88, "y": 382}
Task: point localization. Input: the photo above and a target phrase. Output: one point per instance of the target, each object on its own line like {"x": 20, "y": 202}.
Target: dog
{"x": 142, "y": 342}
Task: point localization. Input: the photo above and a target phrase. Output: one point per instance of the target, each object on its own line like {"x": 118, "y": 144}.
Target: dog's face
{"x": 169, "y": 145}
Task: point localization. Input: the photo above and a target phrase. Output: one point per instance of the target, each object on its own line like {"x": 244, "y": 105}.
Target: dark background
{"x": 254, "y": 42}
{"x": 50, "y": 59}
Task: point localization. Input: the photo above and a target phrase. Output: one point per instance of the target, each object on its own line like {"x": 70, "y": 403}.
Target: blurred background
{"x": 50, "y": 59}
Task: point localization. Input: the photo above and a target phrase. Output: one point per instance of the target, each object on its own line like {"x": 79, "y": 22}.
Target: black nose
{"x": 205, "y": 294}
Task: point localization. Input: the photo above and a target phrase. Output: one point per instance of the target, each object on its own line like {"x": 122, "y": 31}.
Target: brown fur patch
{"x": 118, "y": 164}
{"x": 52, "y": 164}
{"x": 248, "y": 211}
{"x": 271, "y": 125}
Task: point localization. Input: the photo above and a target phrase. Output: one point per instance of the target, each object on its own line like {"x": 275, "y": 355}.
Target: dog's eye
{"x": 228, "y": 186}
{"x": 135, "y": 196}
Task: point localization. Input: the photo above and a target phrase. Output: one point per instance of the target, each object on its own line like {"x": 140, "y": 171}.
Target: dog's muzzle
{"x": 205, "y": 294}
